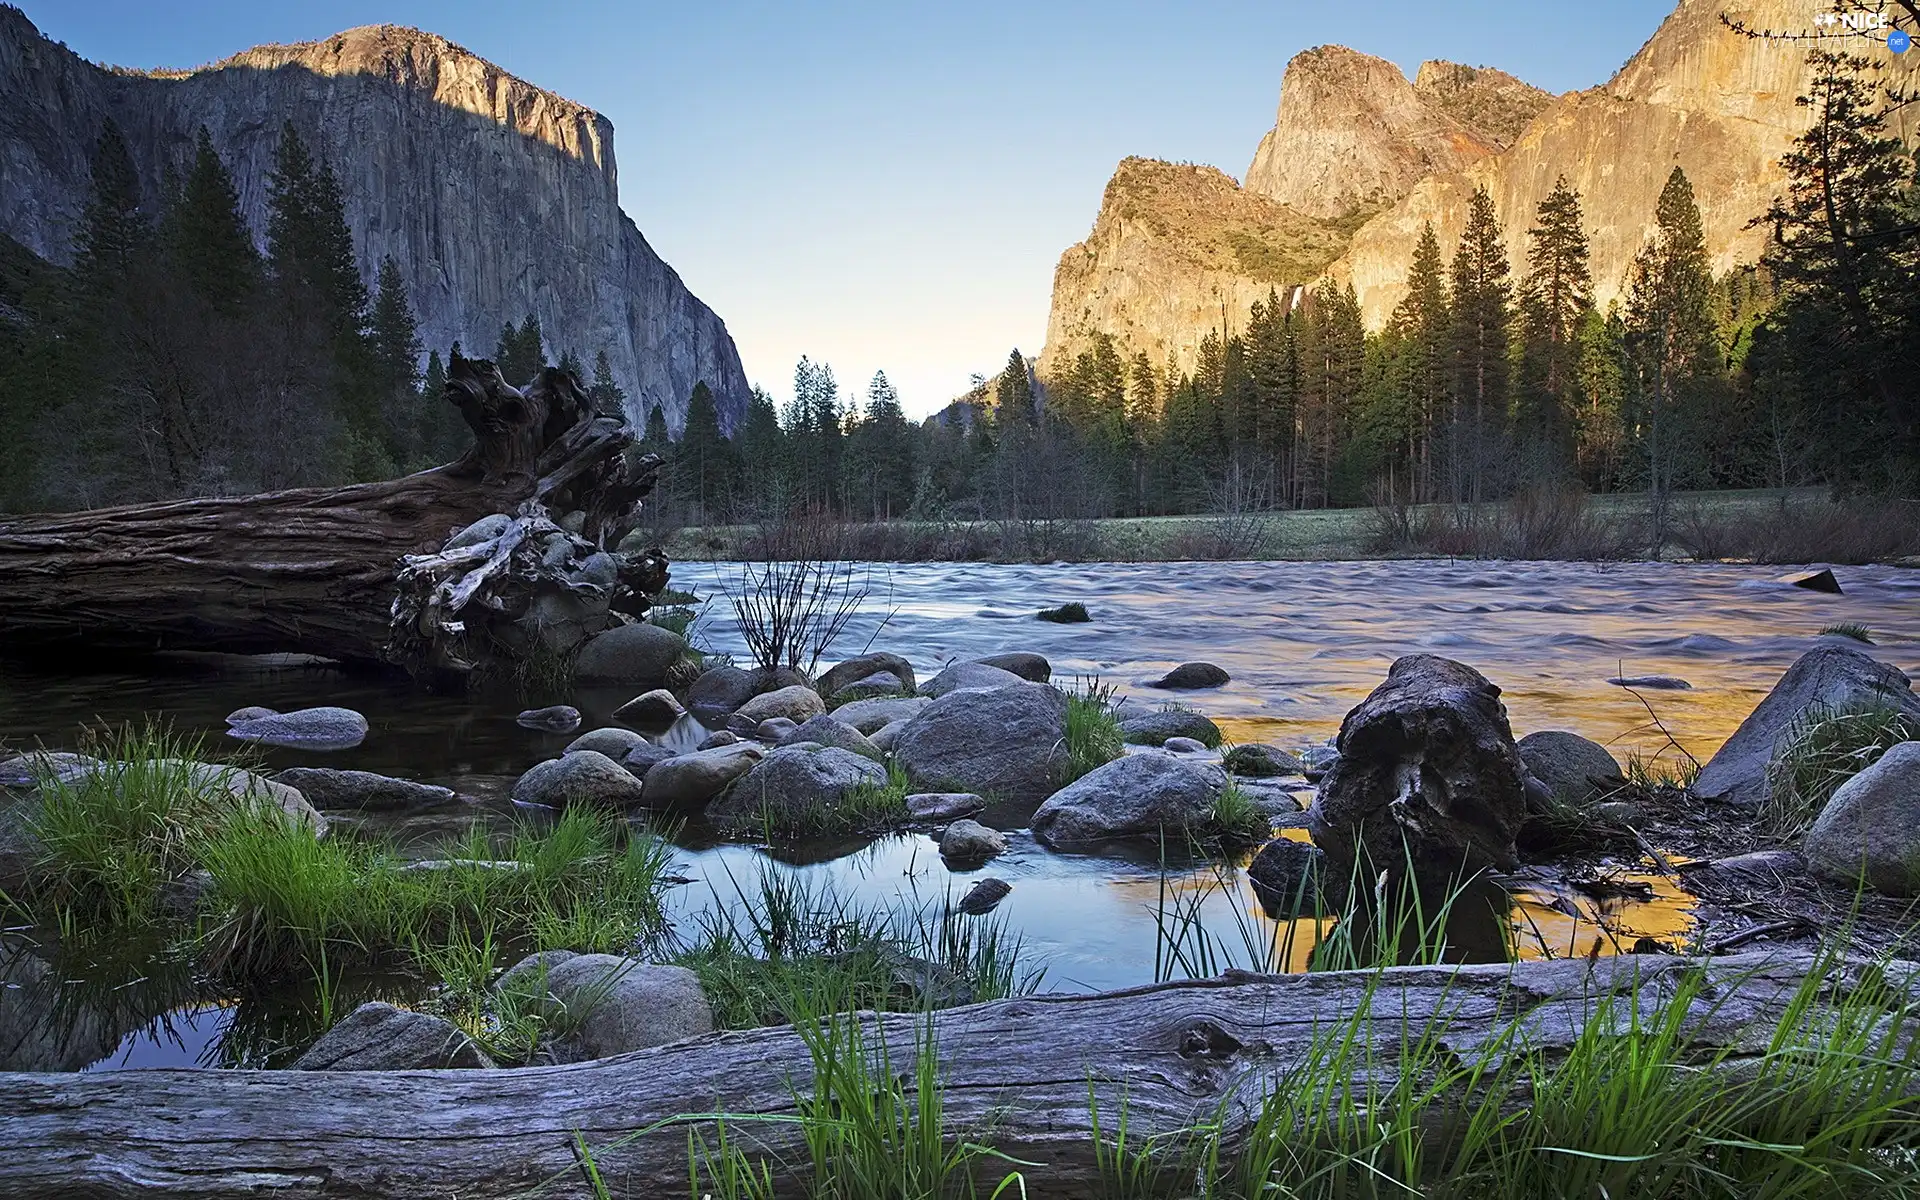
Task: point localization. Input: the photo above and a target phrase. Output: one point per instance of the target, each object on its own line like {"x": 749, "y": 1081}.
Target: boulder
{"x": 1290, "y": 878}
{"x": 970, "y": 841}
{"x": 716, "y": 739}
{"x": 1814, "y": 581}
{"x": 877, "y": 685}
{"x": 775, "y": 731}
{"x": 866, "y": 666}
{"x": 1833, "y": 677}
{"x": 792, "y": 783}
{"x": 1869, "y": 832}
{"x": 528, "y": 977}
{"x": 615, "y": 1005}
{"x": 609, "y": 740}
{"x": 1573, "y": 769}
{"x": 883, "y": 738}
{"x": 637, "y": 655}
{"x": 1259, "y": 760}
{"x": 1152, "y": 727}
{"x": 656, "y": 709}
{"x": 967, "y": 675}
{"x": 1140, "y": 795}
{"x": 934, "y": 807}
{"x": 1071, "y": 613}
{"x": 252, "y": 712}
{"x": 1427, "y": 770}
{"x": 324, "y": 728}
{"x": 380, "y": 1037}
{"x": 718, "y": 691}
{"x": 583, "y": 777}
{"x": 216, "y": 779}
{"x": 688, "y": 780}
{"x": 555, "y": 718}
{"x": 1192, "y": 676}
{"x": 1183, "y": 745}
{"x": 326, "y": 788}
{"x": 796, "y": 702}
{"x": 983, "y": 897}
{"x": 828, "y": 731}
{"x": 1007, "y": 742}
{"x": 1034, "y": 668}
{"x": 25, "y": 771}
{"x": 642, "y": 758}
{"x": 869, "y": 715}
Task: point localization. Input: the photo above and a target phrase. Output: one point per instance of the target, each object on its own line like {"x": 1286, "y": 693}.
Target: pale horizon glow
{"x": 888, "y": 187}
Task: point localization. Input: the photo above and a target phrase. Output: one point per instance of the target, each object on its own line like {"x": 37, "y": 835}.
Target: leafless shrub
{"x": 804, "y": 592}
{"x": 1238, "y": 525}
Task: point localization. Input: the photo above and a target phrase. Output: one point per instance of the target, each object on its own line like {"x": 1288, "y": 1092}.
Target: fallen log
{"x": 362, "y": 573}
{"x": 1015, "y": 1073}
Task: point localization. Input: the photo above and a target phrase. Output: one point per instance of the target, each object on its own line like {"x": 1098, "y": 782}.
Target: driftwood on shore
{"x": 358, "y": 573}
{"x": 1015, "y": 1073}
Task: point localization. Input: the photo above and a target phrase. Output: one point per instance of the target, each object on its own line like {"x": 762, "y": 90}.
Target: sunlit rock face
{"x": 495, "y": 197}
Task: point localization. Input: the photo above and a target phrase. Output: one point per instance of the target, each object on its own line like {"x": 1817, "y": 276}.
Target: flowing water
{"x": 1304, "y": 642}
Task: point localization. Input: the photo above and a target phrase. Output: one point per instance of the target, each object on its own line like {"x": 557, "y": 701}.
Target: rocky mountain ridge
{"x": 496, "y": 198}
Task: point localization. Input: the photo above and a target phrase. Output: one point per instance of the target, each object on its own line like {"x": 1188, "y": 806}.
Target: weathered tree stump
{"x": 363, "y": 573}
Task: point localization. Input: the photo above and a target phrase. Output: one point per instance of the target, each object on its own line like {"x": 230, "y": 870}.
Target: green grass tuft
{"x": 1093, "y": 736}
{"x": 1849, "y": 629}
{"x": 1820, "y": 752}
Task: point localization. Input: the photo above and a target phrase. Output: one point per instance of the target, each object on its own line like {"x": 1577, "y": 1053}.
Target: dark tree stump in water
{"x": 362, "y": 573}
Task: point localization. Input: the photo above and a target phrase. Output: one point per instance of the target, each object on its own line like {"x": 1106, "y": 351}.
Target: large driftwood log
{"x": 360, "y": 573}
{"x": 1016, "y": 1073}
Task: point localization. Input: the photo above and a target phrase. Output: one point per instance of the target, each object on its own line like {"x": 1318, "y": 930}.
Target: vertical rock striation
{"x": 496, "y": 198}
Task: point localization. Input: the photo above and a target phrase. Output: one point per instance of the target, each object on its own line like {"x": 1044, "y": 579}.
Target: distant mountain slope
{"x": 495, "y": 197}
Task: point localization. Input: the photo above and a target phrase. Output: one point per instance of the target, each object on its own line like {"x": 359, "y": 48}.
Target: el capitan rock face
{"x": 496, "y": 198}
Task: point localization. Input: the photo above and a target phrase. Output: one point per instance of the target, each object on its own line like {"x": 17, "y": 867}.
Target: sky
{"x": 887, "y": 186}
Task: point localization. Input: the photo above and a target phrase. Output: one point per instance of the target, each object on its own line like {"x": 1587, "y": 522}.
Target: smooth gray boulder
{"x": 796, "y": 703}
{"x": 1869, "y": 832}
{"x": 1259, "y": 760}
{"x": 688, "y": 780}
{"x": 639, "y": 655}
{"x": 830, "y": 731}
{"x": 323, "y": 728}
{"x": 1290, "y": 878}
{"x": 935, "y": 807}
{"x": 1183, "y": 745}
{"x": 717, "y": 739}
{"x": 1832, "y": 677}
{"x": 324, "y": 787}
{"x": 970, "y": 841}
{"x": 656, "y": 709}
{"x": 609, "y": 740}
{"x": 1006, "y": 742}
{"x": 718, "y": 691}
{"x": 26, "y": 771}
{"x": 1139, "y": 795}
{"x": 616, "y": 1004}
{"x": 1193, "y": 676}
{"x": 642, "y": 758}
{"x": 1034, "y": 668}
{"x": 1153, "y": 727}
{"x": 528, "y": 977}
{"x": 883, "y": 738}
{"x": 985, "y": 896}
{"x": 865, "y": 667}
{"x": 555, "y": 718}
{"x": 1428, "y": 773}
{"x": 214, "y": 780}
{"x": 775, "y": 731}
{"x": 379, "y": 1037}
{"x": 869, "y": 715}
{"x": 878, "y": 685}
{"x": 1572, "y": 769}
{"x": 583, "y": 777}
{"x": 793, "y": 783}
{"x": 967, "y": 675}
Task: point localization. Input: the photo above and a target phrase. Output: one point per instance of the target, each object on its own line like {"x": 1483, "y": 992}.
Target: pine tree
{"x": 1424, "y": 321}
{"x": 1554, "y": 299}
{"x": 1482, "y": 320}
{"x": 1013, "y": 392}
{"x": 706, "y": 468}
{"x": 521, "y": 354}
{"x": 762, "y": 455}
{"x": 208, "y": 243}
{"x": 394, "y": 347}
{"x": 603, "y": 393}
{"x": 112, "y": 231}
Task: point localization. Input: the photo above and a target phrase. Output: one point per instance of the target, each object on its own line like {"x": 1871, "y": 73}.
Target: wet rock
{"x": 878, "y": 685}
{"x": 967, "y": 675}
{"x": 26, "y": 771}
{"x": 970, "y": 841}
{"x": 716, "y": 739}
{"x": 327, "y": 788}
{"x": 1319, "y": 758}
{"x": 1756, "y": 868}
{"x": 1071, "y": 613}
{"x": 324, "y": 728}
{"x": 1427, "y": 769}
{"x": 1258, "y": 760}
{"x": 828, "y": 731}
{"x": 864, "y": 668}
{"x": 480, "y": 532}
{"x": 46, "y": 1027}
{"x": 609, "y": 740}
{"x": 638, "y": 655}
{"x": 380, "y": 1037}
{"x": 1183, "y": 745}
{"x": 620, "y": 1004}
{"x": 1831, "y": 676}
{"x": 883, "y": 738}
{"x": 1290, "y": 878}
{"x": 250, "y": 713}
{"x": 921, "y": 982}
{"x": 1154, "y": 727}
{"x": 1007, "y": 742}
{"x": 555, "y": 718}
{"x": 1193, "y": 676}
{"x": 656, "y": 709}
{"x": 869, "y": 715}
{"x": 689, "y": 780}
{"x": 793, "y": 782}
{"x": 1814, "y": 581}
{"x": 1140, "y": 795}
{"x": 1033, "y": 668}
{"x": 796, "y": 703}
{"x": 985, "y": 896}
{"x": 719, "y": 691}
{"x": 583, "y": 777}
{"x": 1573, "y": 769}
{"x": 934, "y": 807}
{"x": 1869, "y": 832}
{"x": 1276, "y": 798}
{"x": 775, "y": 731}
{"x": 1657, "y": 683}
{"x": 182, "y": 897}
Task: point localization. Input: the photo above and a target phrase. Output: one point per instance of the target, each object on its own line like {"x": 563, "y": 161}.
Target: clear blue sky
{"x": 889, "y": 185}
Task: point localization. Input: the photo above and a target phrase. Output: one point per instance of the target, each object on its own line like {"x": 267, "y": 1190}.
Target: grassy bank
{"x": 1797, "y": 526}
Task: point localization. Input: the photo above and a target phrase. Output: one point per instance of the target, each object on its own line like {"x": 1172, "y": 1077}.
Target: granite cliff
{"x": 496, "y": 198}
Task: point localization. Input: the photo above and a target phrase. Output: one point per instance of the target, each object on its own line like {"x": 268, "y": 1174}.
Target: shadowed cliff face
{"x": 495, "y": 198}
